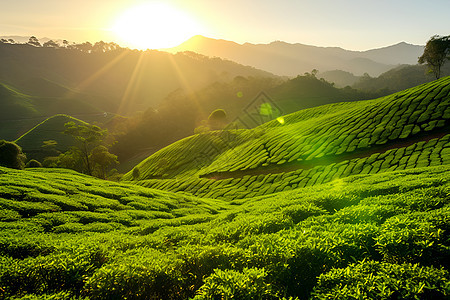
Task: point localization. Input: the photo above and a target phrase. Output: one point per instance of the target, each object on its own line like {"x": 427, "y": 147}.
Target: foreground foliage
{"x": 69, "y": 236}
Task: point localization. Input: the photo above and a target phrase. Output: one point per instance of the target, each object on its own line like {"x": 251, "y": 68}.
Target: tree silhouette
{"x": 51, "y": 44}
{"x": 217, "y": 119}
{"x": 435, "y": 54}
{"x": 33, "y": 41}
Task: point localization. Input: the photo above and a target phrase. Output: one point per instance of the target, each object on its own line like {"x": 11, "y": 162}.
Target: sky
{"x": 349, "y": 24}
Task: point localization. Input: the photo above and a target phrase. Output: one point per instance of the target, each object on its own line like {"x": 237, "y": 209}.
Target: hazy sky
{"x": 350, "y": 24}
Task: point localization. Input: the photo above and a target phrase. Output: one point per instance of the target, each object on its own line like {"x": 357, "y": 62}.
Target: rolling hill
{"x": 399, "y": 78}
{"x": 346, "y": 200}
{"x": 20, "y": 111}
{"x": 119, "y": 81}
{"x": 404, "y": 130}
{"x": 70, "y": 236}
{"x": 181, "y": 113}
{"x": 293, "y": 59}
{"x": 50, "y": 129}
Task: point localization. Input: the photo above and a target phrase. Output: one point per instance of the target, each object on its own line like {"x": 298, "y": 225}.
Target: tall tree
{"x": 435, "y": 54}
{"x": 88, "y": 137}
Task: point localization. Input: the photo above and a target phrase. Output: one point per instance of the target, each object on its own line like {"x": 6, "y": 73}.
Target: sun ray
{"x": 185, "y": 84}
{"x": 127, "y": 98}
{"x": 88, "y": 81}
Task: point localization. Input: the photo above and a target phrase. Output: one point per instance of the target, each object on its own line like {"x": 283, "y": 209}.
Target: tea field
{"x": 69, "y": 236}
{"x": 344, "y": 201}
{"x": 405, "y": 130}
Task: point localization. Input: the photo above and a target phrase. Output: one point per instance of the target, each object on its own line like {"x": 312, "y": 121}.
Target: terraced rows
{"x": 405, "y": 130}
{"x": 422, "y": 154}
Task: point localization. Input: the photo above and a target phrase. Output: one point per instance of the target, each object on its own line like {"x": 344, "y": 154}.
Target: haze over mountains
{"x": 286, "y": 59}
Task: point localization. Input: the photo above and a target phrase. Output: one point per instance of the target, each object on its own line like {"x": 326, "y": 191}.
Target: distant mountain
{"x": 119, "y": 81}
{"x": 24, "y": 39}
{"x": 339, "y": 78}
{"x": 282, "y": 58}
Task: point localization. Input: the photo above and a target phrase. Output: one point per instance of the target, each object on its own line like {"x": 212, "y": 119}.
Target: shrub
{"x": 230, "y": 284}
{"x": 379, "y": 280}
{"x": 11, "y": 155}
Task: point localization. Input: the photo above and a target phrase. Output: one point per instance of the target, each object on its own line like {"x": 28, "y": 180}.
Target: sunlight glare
{"x": 155, "y": 25}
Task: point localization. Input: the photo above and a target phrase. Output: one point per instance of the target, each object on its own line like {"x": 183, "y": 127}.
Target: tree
{"x": 88, "y": 155}
{"x": 51, "y": 44}
{"x": 102, "y": 161}
{"x": 88, "y": 137}
{"x": 33, "y": 41}
{"x": 11, "y": 155}
{"x": 435, "y": 54}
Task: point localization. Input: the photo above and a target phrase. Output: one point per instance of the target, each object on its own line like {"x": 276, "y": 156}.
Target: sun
{"x": 154, "y": 26}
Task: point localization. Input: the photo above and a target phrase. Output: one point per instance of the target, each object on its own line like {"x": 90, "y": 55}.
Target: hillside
{"x": 346, "y": 200}
{"x": 118, "y": 80}
{"x": 180, "y": 113}
{"x": 70, "y": 236}
{"x": 49, "y": 129}
{"x": 20, "y": 111}
{"x": 404, "y": 130}
{"x": 293, "y": 59}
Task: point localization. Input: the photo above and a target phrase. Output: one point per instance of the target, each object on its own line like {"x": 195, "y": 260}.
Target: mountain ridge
{"x": 291, "y": 61}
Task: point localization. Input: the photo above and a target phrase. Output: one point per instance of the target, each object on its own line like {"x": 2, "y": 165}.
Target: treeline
{"x": 87, "y": 47}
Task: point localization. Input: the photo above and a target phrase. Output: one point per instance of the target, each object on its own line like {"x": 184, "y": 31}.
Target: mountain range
{"x": 287, "y": 59}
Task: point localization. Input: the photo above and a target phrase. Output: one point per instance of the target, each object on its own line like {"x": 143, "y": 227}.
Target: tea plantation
{"x": 405, "y": 130}
{"x": 345, "y": 201}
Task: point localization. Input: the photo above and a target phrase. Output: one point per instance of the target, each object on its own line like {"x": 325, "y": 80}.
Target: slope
{"x": 181, "y": 113}
{"x": 20, "y": 111}
{"x": 399, "y": 78}
{"x": 50, "y": 129}
{"x": 404, "y": 130}
{"x": 70, "y": 236}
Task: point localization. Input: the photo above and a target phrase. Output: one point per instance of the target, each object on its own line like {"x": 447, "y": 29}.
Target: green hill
{"x": 180, "y": 113}
{"x": 70, "y": 236}
{"x": 20, "y": 111}
{"x": 342, "y": 201}
{"x": 50, "y": 129}
{"x": 404, "y": 130}
{"x": 399, "y": 78}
